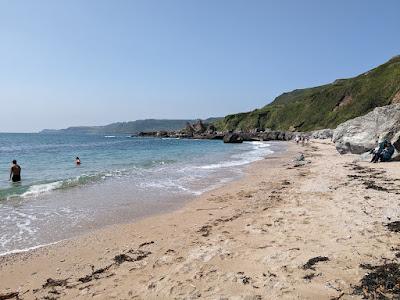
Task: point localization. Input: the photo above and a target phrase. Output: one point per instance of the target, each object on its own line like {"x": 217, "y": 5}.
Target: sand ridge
{"x": 282, "y": 232}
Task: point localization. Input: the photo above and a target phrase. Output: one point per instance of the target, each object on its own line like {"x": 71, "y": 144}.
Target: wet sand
{"x": 281, "y": 232}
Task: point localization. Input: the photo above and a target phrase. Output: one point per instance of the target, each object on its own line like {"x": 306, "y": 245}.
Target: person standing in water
{"x": 15, "y": 172}
{"x": 77, "y": 161}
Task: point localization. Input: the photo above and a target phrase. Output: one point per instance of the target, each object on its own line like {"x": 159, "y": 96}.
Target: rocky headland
{"x": 357, "y": 136}
{"x": 201, "y": 130}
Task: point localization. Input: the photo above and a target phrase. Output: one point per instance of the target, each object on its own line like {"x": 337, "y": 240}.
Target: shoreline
{"x": 89, "y": 201}
{"x": 179, "y": 201}
{"x": 177, "y": 207}
{"x": 248, "y": 238}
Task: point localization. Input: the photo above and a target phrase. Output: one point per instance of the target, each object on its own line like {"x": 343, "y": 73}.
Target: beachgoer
{"x": 383, "y": 152}
{"x": 15, "y": 172}
{"x": 77, "y": 161}
{"x": 387, "y": 153}
{"x": 377, "y": 152}
{"x": 297, "y": 139}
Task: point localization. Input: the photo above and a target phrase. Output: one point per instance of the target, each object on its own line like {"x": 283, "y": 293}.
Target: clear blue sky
{"x": 93, "y": 62}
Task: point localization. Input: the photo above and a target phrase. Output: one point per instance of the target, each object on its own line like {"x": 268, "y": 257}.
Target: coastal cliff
{"x": 305, "y": 111}
{"x": 324, "y": 106}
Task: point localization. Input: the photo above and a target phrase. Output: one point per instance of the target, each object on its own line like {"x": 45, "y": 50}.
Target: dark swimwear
{"x": 16, "y": 178}
{"x": 384, "y": 153}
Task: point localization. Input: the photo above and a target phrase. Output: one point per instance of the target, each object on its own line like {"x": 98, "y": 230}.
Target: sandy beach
{"x": 284, "y": 231}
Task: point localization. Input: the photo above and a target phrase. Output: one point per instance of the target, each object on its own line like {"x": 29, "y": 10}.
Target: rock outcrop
{"x": 322, "y": 134}
{"x": 362, "y": 134}
{"x": 233, "y": 138}
{"x": 211, "y": 129}
{"x": 162, "y": 133}
{"x": 200, "y": 130}
{"x": 199, "y": 127}
{"x": 189, "y": 130}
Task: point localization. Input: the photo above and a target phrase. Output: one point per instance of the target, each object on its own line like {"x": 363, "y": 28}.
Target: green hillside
{"x": 324, "y": 106}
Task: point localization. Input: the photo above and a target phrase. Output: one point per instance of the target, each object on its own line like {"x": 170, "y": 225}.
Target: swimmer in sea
{"x": 15, "y": 172}
{"x": 77, "y": 161}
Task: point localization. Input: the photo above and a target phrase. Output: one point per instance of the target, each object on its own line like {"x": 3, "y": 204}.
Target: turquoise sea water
{"x": 120, "y": 179}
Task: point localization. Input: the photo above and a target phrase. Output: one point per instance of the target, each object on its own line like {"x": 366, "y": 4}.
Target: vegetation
{"x": 324, "y": 106}
{"x": 132, "y": 127}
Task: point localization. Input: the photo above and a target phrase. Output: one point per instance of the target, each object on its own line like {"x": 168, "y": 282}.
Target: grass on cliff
{"x": 325, "y": 106}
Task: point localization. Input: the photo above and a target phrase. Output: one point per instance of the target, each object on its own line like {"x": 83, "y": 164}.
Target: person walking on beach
{"x": 15, "y": 172}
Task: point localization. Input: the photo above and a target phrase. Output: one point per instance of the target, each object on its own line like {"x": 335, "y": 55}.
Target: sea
{"x": 121, "y": 179}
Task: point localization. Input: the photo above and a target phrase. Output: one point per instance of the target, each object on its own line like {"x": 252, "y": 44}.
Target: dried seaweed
{"x": 55, "y": 282}
{"x": 309, "y": 265}
{"x": 12, "y": 295}
{"x": 382, "y": 282}
{"x": 394, "y": 226}
{"x": 95, "y": 274}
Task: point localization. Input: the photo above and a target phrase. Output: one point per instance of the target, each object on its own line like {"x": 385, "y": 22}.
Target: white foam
{"x": 168, "y": 184}
{"x": 27, "y": 249}
{"x": 258, "y": 144}
{"x": 39, "y": 189}
{"x": 12, "y": 196}
{"x": 109, "y": 136}
{"x": 258, "y": 152}
{"x": 192, "y": 173}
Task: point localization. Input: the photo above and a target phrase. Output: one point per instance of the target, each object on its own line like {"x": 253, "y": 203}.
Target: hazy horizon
{"x": 92, "y": 63}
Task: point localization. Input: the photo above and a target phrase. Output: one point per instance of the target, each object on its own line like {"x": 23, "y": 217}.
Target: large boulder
{"x": 322, "y": 134}
{"x": 362, "y": 134}
{"x": 232, "y": 138}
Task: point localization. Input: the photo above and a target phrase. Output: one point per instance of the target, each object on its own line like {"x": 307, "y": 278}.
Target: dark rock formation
{"x": 162, "y": 133}
{"x": 199, "y": 127}
{"x": 322, "y": 134}
{"x": 147, "y": 133}
{"x": 396, "y": 141}
{"x": 233, "y": 138}
{"x": 274, "y": 135}
{"x": 189, "y": 130}
{"x": 201, "y": 130}
{"x": 211, "y": 129}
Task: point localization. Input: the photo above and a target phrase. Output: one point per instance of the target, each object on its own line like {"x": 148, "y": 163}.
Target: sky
{"x": 71, "y": 62}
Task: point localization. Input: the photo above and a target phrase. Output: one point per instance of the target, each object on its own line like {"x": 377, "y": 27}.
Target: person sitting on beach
{"x": 77, "y": 161}
{"x": 383, "y": 152}
{"x": 15, "y": 172}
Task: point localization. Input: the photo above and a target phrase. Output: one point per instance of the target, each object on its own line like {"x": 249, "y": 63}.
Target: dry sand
{"x": 247, "y": 240}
